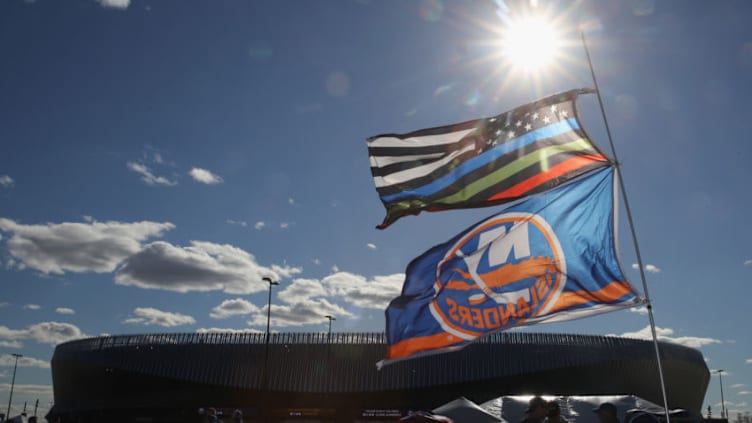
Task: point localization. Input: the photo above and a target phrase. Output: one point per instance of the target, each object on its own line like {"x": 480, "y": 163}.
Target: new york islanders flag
{"x": 550, "y": 257}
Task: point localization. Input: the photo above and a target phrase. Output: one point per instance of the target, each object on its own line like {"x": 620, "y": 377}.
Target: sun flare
{"x": 531, "y": 43}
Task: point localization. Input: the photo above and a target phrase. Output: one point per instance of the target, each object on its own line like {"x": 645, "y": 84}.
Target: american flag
{"x": 483, "y": 162}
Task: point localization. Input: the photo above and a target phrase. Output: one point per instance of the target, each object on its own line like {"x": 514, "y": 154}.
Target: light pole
{"x": 269, "y": 306}
{"x": 268, "y": 320}
{"x": 12, "y": 384}
{"x": 724, "y": 413}
{"x": 329, "y": 335}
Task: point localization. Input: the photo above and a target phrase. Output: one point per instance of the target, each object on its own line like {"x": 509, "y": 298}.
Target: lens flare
{"x": 530, "y": 43}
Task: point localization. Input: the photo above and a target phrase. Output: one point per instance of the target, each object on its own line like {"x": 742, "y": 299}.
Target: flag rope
{"x": 617, "y": 167}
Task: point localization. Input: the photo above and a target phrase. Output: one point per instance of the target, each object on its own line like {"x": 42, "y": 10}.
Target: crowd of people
{"x": 542, "y": 411}
{"x": 538, "y": 411}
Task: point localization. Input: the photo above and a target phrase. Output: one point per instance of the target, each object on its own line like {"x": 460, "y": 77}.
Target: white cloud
{"x": 12, "y": 263}
{"x": 259, "y": 225}
{"x": 205, "y": 176}
{"x": 6, "y": 181}
{"x": 639, "y": 310}
{"x": 284, "y": 225}
{"x": 738, "y": 385}
{"x": 9, "y": 360}
{"x": 10, "y": 344}
{"x": 305, "y": 304}
{"x": 650, "y": 268}
{"x": 748, "y": 262}
{"x": 235, "y": 307}
{"x": 54, "y": 332}
{"x": 202, "y": 266}
{"x": 78, "y": 247}
{"x": 316, "y": 261}
{"x": 302, "y": 290}
{"x": 291, "y": 201}
{"x": 748, "y": 361}
{"x": 335, "y": 268}
{"x": 227, "y": 330}
{"x": 44, "y": 332}
{"x": 738, "y": 405}
{"x": 148, "y": 176}
{"x": 744, "y": 393}
{"x": 664, "y": 334}
{"x": 65, "y": 310}
{"x": 4, "y": 304}
{"x": 299, "y": 314}
{"x": 27, "y": 389}
{"x": 371, "y": 246}
{"x": 363, "y": 293}
{"x": 308, "y": 301}
{"x": 32, "y": 307}
{"x": 115, "y": 4}
{"x": 237, "y": 222}
{"x": 148, "y": 316}
{"x": 726, "y": 403}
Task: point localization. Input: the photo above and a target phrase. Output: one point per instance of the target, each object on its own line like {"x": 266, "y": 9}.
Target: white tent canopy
{"x": 463, "y": 410}
{"x": 579, "y": 409}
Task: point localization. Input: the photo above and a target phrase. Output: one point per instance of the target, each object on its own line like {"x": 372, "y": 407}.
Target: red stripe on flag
{"x": 553, "y": 173}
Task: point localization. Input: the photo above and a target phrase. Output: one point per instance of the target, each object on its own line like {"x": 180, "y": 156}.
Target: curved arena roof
{"x": 310, "y": 369}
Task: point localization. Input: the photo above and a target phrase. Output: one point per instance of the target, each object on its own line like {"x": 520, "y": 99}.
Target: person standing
{"x": 536, "y": 411}
{"x": 554, "y": 413}
{"x": 606, "y": 413}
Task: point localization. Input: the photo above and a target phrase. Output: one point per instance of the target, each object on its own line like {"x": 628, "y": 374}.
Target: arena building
{"x": 315, "y": 377}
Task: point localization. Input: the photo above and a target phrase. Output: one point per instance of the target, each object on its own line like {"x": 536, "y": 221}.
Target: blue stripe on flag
{"x": 489, "y": 156}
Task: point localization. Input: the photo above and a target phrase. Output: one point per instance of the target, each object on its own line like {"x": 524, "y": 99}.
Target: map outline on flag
{"x": 483, "y": 162}
{"x": 451, "y": 293}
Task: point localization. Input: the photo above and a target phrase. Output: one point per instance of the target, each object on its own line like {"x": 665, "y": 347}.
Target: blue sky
{"x": 157, "y": 158}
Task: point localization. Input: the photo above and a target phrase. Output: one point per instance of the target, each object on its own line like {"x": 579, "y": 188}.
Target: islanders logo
{"x": 505, "y": 271}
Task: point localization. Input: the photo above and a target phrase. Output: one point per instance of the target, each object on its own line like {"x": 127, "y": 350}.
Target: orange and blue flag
{"x": 550, "y": 257}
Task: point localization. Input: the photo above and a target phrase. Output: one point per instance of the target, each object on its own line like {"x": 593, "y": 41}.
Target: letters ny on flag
{"x": 550, "y": 257}
{"x": 483, "y": 162}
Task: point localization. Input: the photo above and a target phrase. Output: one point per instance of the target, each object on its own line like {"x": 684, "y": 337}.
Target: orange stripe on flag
{"x": 553, "y": 173}
{"x": 421, "y": 343}
{"x": 611, "y": 292}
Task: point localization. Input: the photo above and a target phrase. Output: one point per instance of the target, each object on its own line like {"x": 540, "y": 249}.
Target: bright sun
{"x": 530, "y": 43}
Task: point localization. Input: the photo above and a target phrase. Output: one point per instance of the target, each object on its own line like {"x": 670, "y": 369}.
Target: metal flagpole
{"x": 12, "y": 384}
{"x": 724, "y": 412}
{"x": 632, "y": 229}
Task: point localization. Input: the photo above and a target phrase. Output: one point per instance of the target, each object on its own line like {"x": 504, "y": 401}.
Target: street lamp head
{"x": 330, "y": 317}
{"x": 17, "y": 355}
{"x": 268, "y": 279}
